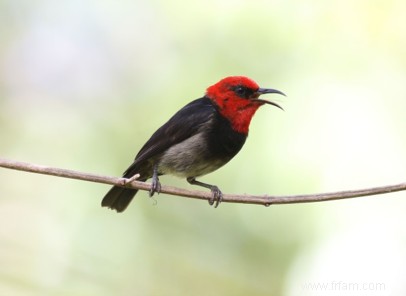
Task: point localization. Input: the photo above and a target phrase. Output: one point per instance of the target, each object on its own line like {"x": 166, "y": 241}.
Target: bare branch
{"x": 266, "y": 200}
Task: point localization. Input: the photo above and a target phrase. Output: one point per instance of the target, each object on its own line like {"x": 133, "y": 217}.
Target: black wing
{"x": 184, "y": 124}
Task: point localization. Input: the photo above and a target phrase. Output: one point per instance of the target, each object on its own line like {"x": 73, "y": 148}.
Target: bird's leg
{"x": 217, "y": 196}
{"x": 156, "y": 185}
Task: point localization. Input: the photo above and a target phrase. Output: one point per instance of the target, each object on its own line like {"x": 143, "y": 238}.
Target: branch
{"x": 265, "y": 200}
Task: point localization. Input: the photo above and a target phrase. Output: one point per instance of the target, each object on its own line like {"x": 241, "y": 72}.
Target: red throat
{"x": 239, "y": 112}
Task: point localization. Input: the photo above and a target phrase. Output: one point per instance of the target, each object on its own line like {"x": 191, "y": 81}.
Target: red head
{"x": 237, "y": 99}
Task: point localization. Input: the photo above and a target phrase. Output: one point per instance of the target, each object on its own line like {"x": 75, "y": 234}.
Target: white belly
{"x": 188, "y": 159}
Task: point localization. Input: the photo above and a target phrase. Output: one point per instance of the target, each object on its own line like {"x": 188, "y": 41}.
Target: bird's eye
{"x": 242, "y": 91}
{"x": 239, "y": 90}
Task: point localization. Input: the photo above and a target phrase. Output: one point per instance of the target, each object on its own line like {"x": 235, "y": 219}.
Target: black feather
{"x": 184, "y": 124}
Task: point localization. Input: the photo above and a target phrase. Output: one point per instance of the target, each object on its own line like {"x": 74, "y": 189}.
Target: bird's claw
{"x": 155, "y": 187}
{"x": 216, "y": 196}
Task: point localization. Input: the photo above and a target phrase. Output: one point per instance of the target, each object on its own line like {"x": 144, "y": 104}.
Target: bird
{"x": 201, "y": 137}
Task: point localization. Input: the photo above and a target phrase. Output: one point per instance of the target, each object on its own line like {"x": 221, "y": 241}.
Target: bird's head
{"x": 237, "y": 98}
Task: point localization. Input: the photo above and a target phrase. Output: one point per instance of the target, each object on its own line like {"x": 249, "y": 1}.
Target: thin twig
{"x": 248, "y": 199}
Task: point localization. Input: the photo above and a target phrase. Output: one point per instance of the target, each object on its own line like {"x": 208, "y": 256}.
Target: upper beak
{"x": 262, "y": 91}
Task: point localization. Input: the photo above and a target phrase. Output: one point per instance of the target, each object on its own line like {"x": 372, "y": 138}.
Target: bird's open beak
{"x": 262, "y": 91}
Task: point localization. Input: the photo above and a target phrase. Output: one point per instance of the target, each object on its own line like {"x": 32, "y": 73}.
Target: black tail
{"x": 118, "y": 198}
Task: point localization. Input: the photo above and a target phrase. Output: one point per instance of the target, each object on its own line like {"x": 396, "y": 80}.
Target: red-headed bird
{"x": 200, "y": 138}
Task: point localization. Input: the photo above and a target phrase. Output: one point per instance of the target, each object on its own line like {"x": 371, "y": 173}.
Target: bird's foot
{"x": 216, "y": 197}
{"x": 155, "y": 187}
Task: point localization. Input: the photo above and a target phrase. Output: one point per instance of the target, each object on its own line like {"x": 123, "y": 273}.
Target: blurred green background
{"x": 83, "y": 84}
